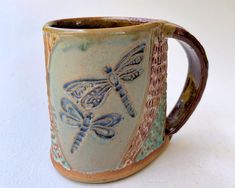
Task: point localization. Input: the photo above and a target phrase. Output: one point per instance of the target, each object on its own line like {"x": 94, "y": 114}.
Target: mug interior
{"x": 96, "y": 23}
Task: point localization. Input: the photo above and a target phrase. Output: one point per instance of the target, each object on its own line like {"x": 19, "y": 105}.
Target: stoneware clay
{"x": 106, "y": 83}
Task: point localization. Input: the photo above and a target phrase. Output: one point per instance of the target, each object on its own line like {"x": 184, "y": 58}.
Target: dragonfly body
{"x": 83, "y": 132}
{"x": 115, "y": 82}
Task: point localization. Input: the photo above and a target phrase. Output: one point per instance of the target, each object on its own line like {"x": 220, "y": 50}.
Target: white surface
{"x": 202, "y": 154}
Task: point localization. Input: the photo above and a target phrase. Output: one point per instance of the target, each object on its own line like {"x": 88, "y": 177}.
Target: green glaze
{"x": 77, "y": 58}
{"x": 81, "y": 54}
{"x": 106, "y": 84}
{"x": 156, "y": 134}
{"x": 55, "y": 147}
{"x": 57, "y": 154}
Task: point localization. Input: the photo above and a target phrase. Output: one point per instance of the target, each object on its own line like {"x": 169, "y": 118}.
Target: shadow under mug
{"x": 106, "y": 83}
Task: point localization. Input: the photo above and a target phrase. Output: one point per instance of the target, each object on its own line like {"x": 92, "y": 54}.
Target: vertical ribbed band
{"x": 158, "y": 74}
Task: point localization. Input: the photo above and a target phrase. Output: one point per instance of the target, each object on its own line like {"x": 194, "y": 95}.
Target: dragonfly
{"x": 92, "y": 93}
{"x": 101, "y": 126}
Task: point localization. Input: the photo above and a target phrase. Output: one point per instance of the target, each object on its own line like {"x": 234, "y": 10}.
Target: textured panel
{"x": 55, "y": 149}
{"x": 155, "y": 92}
{"x": 156, "y": 134}
{"x": 50, "y": 41}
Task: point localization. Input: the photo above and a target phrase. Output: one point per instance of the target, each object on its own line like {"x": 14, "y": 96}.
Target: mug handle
{"x": 195, "y": 81}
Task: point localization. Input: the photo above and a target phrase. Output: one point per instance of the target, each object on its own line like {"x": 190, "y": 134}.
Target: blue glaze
{"x": 102, "y": 126}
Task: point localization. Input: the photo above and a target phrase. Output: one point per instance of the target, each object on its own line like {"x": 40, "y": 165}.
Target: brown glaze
{"x": 195, "y": 82}
{"x": 94, "y": 23}
{"x": 190, "y": 97}
{"x": 157, "y": 86}
{"x": 108, "y": 176}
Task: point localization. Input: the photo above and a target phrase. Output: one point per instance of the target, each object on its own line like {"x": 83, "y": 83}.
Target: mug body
{"x": 106, "y": 81}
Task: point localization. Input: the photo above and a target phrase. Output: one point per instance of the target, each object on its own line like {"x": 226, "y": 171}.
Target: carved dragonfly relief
{"x": 91, "y": 93}
{"x": 102, "y": 126}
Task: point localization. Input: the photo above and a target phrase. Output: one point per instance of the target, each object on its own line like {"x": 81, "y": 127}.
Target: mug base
{"x": 109, "y": 176}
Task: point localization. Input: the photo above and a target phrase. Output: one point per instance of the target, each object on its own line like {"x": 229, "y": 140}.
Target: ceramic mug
{"x": 106, "y": 83}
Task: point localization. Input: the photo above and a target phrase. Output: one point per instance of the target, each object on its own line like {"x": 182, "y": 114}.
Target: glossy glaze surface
{"x": 106, "y": 81}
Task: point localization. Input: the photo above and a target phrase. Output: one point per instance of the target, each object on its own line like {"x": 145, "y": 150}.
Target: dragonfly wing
{"x": 134, "y": 57}
{"x": 102, "y": 125}
{"x": 108, "y": 120}
{"x": 104, "y": 132}
{"x": 96, "y": 96}
{"x": 71, "y": 115}
{"x": 78, "y": 88}
{"x": 131, "y": 73}
{"x": 69, "y": 120}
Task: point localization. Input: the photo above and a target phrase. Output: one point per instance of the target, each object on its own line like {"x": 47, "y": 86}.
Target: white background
{"x": 202, "y": 154}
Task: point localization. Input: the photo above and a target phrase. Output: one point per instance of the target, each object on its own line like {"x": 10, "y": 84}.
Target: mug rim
{"x": 114, "y": 24}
